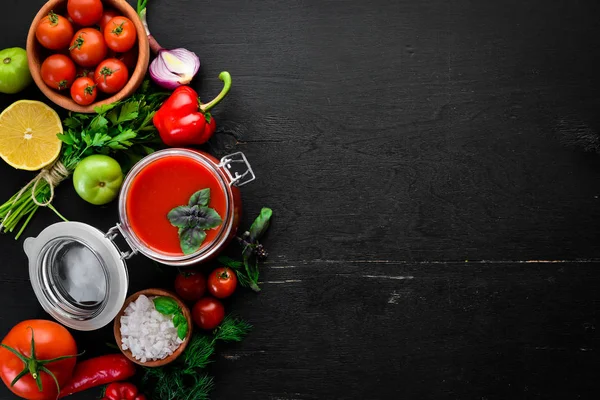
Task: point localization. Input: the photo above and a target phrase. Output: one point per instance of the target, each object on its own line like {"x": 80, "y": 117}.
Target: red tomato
{"x": 51, "y": 341}
{"x": 88, "y": 47}
{"x": 190, "y": 285}
{"x": 83, "y": 91}
{"x": 54, "y": 32}
{"x": 111, "y": 75}
{"x": 222, "y": 282}
{"x": 129, "y": 58}
{"x": 85, "y": 72}
{"x": 208, "y": 313}
{"x": 120, "y": 34}
{"x": 58, "y": 71}
{"x": 108, "y": 14}
{"x": 85, "y": 12}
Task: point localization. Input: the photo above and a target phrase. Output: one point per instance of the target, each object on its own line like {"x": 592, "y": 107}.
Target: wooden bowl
{"x": 36, "y": 55}
{"x": 153, "y": 293}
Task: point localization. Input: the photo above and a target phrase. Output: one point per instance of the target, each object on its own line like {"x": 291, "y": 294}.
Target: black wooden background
{"x": 433, "y": 237}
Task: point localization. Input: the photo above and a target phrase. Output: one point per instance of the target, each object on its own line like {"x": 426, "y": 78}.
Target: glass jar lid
{"x": 78, "y": 274}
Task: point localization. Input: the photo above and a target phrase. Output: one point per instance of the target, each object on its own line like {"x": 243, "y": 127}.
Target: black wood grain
{"x": 413, "y": 154}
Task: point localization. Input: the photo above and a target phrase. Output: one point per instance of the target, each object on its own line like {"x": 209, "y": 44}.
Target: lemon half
{"x": 28, "y": 135}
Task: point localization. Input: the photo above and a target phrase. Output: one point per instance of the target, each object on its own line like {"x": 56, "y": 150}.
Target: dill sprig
{"x": 183, "y": 379}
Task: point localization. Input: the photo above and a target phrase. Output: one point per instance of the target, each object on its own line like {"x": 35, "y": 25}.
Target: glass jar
{"x": 79, "y": 274}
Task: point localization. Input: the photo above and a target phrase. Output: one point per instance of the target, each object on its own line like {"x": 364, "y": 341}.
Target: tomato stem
{"x": 7, "y": 60}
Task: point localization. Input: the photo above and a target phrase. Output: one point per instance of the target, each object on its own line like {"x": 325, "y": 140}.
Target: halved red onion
{"x": 173, "y": 68}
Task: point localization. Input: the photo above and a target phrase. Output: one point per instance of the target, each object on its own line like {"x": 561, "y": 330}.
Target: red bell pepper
{"x": 98, "y": 371}
{"x": 122, "y": 391}
{"x": 183, "y": 121}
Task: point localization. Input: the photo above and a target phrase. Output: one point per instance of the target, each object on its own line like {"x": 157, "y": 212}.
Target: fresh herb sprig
{"x": 168, "y": 306}
{"x": 184, "y": 379}
{"x": 122, "y": 129}
{"x": 193, "y": 220}
{"x": 252, "y": 251}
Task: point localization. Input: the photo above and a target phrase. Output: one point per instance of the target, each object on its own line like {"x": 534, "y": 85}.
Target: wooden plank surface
{"x": 413, "y": 153}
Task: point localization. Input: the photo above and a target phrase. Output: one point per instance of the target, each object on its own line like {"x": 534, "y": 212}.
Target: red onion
{"x": 171, "y": 68}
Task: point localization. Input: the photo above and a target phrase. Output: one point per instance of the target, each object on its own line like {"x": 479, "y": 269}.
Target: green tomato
{"x": 14, "y": 70}
{"x": 97, "y": 179}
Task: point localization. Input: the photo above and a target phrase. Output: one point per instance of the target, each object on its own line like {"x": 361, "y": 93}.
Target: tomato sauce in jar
{"x": 163, "y": 185}
{"x": 167, "y": 179}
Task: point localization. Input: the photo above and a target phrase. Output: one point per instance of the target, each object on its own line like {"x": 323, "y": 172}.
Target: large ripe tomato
{"x": 108, "y": 14}
{"x": 83, "y": 91}
{"x": 85, "y": 12}
{"x": 120, "y": 34}
{"x": 208, "y": 313}
{"x": 58, "y": 71}
{"x": 51, "y": 341}
{"x": 88, "y": 47}
{"x": 54, "y": 32}
{"x": 111, "y": 75}
{"x": 190, "y": 285}
{"x": 222, "y": 282}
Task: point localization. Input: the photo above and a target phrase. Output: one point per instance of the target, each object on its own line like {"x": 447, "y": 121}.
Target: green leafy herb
{"x": 193, "y": 220}
{"x": 184, "y": 379}
{"x": 252, "y": 251}
{"x": 168, "y": 306}
{"x": 122, "y": 129}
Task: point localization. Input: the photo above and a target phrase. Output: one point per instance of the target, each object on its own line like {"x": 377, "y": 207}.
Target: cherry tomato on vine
{"x": 190, "y": 285}
{"x": 85, "y": 12}
{"x": 208, "y": 313}
{"x": 111, "y": 76}
{"x": 120, "y": 34}
{"x": 54, "y": 32}
{"x": 222, "y": 282}
{"x": 88, "y": 47}
{"x": 83, "y": 91}
{"x": 58, "y": 71}
{"x": 108, "y": 14}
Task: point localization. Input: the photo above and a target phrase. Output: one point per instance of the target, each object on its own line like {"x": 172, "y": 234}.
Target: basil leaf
{"x": 190, "y": 239}
{"x": 200, "y": 198}
{"x": 181, "y": 217}
{"x": 166, "y": 305}
{"x": 260, "y": 224}
{"x": 182, "y": 329}
{"x": 206, "y": 218}
{"x": 178, "y": 319}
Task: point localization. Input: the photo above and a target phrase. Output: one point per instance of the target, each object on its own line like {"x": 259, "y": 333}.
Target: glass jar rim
{"x": 180, "y": 260}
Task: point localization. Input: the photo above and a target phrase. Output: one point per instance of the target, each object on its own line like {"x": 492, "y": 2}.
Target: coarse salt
{"x": 148, "y": 334}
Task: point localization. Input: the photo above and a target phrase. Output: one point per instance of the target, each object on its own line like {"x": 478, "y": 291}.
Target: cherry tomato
{"x": 52, "y": 340}
{"x": 208, "y": 313}
{"x": 111, "y": 75}
{"x": 190, "y": 285}
{"x": 129, "y": 58}
{"x": 54, "y": 32}
{"x": 83, "y": 91}
{"x": 85, "y": 72}
{"x": 85, "y": 12}
{"x": 108, "y": 14}
{"x": 120, "y": 34}
{"x": 88, "y": 47}
{"x": 222, "y": 282}
{"x": 58, "y": 71}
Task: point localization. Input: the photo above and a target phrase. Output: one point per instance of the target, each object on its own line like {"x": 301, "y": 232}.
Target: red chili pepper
{"x": 98, "y": 371}
{"x": 122, "y": 391}
{"x": 182, "y": 120}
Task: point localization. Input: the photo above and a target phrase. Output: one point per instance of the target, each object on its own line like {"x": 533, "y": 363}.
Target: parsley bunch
{"x": 122, "y": 129}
